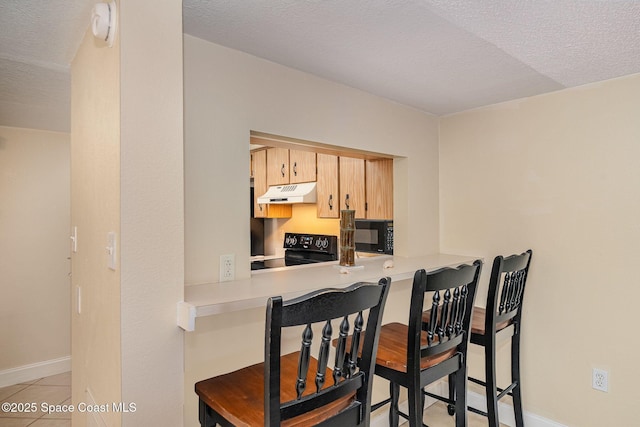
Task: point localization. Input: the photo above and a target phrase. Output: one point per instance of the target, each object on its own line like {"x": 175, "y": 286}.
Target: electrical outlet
{"x": 600, "y": 380}
{"x": 227, "y": 267}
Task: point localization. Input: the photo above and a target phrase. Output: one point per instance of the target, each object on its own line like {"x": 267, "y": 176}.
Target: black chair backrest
{"x": 450, "y": 293}
{"x": 506, "y": 290}
{"x": 350, "y": 375}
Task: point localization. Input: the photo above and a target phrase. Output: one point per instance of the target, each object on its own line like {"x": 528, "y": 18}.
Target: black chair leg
{"x": 515, "y": 378}
{"x": 394, "y": 414}
{"x": 416, "y": 407}
{"x": 491, "y": 387}
{"x": 206, "y": 415}
{"x": 460, "y": 387}
{"x": 451, "y": 409}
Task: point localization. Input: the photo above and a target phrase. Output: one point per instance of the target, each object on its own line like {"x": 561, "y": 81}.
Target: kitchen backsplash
{"x": 304, "y": 219}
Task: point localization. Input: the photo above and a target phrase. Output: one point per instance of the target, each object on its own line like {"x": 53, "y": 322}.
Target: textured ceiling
{"x": 38, "y": 40}
{"x": 440, "y": 56}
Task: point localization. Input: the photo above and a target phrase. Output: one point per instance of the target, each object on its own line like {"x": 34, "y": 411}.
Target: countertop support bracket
{"x": 187, "y": 316}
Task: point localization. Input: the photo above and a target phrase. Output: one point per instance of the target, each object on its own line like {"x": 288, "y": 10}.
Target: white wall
{"x": 557, "y": 173}
{"x": 34, "y": 243}
{"x": 228, "y": 94}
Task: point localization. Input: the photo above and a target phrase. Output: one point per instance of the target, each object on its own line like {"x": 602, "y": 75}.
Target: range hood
{"x": 289, "y": 193}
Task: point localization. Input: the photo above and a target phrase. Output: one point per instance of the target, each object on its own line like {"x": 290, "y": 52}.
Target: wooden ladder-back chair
{"x": 418, "y": 354}
{"x": 501, "y": 318}
{"x": 298, "y": 389}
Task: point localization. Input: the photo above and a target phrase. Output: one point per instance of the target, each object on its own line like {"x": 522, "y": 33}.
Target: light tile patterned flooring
{"x": 53, "y": 390}
{"x": 436, "y": 415}
{"x": 57, "y": 390}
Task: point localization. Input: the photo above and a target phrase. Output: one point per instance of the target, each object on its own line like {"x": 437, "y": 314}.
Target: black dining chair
{"x": 502, "y": 318}
{"x": 419, "y": 353}
{"x": 297, "y": 389}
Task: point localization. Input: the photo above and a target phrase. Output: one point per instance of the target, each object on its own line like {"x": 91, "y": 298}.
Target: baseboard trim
{"x": 505, "y": 412}
{"x": 476, "y": 400}
{"x": 34, "y": 371}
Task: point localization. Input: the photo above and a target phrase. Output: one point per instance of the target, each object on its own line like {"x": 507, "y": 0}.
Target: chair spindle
{"x": 355, "y": 345}
{"x": 323, "y": 355}
{"x": 341, "y": 350}
{"x": 503, "y": 294}
{"x": 442, "y": 327}
{"x": 433, "y": 318}
{"x": 303, "y": 363}
{"x": 453, "y": 317}
{"x": 462, "y": 311}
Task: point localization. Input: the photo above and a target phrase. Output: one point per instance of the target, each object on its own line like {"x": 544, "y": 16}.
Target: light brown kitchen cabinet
{"x": 352, "y": 185}
{"x": 379, "y": 188}
{"x": 259, "y": 159}
{"x": 302, "y": 166}
{"x": 365, "y": 186}
{"x": 327, "y": 189}
{"x": 277, "y": 166}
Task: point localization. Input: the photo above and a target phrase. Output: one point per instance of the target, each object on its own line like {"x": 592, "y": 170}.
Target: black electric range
{"x": 302, "y": 248}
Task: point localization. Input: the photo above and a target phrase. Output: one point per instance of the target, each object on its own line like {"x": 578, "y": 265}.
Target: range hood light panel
{"x": 289, "y": 193}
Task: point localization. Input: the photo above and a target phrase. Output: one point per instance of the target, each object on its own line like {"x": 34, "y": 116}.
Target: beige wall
{"x": 152, "y": 210}
{"x": 228, "y": 94}
{"x": 95, "y": 210}
{"x": 34, "y": 243}
{"x": 127, "y": 172}
{"x": 557, "y": 173}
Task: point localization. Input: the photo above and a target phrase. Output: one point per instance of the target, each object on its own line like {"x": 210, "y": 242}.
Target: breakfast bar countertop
{"x": 214, "y": 298}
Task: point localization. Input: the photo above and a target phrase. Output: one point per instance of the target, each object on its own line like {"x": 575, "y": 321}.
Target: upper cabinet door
{"x": 259, "y": 160}
{"x": 259, "y": 166}
{"x": 327, "y": 187}
{"x": 352, "y": 185}
{"x": 379, "y": 188}
{"x": 277, "y": 166}
{"x": 302, "y": 166}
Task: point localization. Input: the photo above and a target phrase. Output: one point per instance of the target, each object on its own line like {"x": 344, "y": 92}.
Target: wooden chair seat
{"x": 392, "y": 349}
{"x": 478, "y": 321}
{"x": 239, "y": 396}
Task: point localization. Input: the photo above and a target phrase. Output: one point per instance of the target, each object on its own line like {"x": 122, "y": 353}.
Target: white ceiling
{"x": 440, "y": 56}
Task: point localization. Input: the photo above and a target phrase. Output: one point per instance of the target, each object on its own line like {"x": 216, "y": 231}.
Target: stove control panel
{"x": 311, "y": 242}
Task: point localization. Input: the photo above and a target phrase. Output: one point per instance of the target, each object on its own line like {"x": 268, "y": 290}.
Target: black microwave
{"x": 374, "y": 235}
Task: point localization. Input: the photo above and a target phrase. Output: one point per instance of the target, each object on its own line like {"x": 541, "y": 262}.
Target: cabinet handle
{"x": 346, "y": 201}
{"x": 295, "y": 168}
{"x": 330, "y": 202}
{"x": 282, "y": 170}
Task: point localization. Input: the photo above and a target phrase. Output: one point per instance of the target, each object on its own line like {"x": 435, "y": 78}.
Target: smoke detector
{"x": 103, "y": 22}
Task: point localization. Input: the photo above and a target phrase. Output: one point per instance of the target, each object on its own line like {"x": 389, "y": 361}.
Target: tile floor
{"x": 57, "y": 390}
{"x": 436, "y": 415}
{"x": 52, "y": 390}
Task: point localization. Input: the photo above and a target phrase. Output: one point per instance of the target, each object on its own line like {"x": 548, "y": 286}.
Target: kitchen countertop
{"x": 214, "y": 298}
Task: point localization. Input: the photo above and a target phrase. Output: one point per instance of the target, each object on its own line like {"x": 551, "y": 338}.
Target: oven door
{"x": 264, "y": 264}
{"x": 295, "y": 257}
